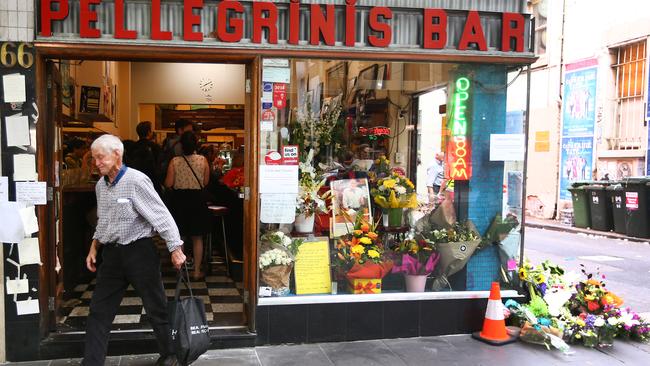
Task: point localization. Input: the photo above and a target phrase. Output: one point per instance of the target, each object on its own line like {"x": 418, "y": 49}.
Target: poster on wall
{"x": 350, "y": 198}
{"x": 576, "y": 162}
{"x": 579, "y": 107}
{"x": 89, "y": 99}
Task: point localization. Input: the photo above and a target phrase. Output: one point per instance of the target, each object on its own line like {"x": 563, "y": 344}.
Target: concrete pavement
{"x": 445, "y": 350}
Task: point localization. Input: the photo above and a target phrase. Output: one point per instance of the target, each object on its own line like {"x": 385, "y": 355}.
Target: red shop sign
{"x": 273, "y": 158}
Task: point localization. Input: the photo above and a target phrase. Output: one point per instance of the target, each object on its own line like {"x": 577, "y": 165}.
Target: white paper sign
{"x": 4, "y": 189}
{"x": 17, "y": 130}
{"x": 25, "y": 167}
{"x": 29, "y": 306}
{"x": 278, "y": 208}
{"x": 11, "y": 230}
{"x": 279, "y": 179}
{"x": 276, "y": 75}
{"x": 16, "y": 287}
{"x": 14, "y": 88}
{"x": 507, "y": 147}
{"x": 266, "y": 126}
{"x": 275, "y": 62}
{"x": 30, "y": 222}
{"x": 29, "y": 252}
{"x": 32, "y": 193}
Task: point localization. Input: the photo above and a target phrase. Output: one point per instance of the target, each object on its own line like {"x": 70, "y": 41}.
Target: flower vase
{"x": 304, "y": 224}
{"x": 415, "y": 283}
{"x": 606, "y": 338}
{"x": 393, "y": 217}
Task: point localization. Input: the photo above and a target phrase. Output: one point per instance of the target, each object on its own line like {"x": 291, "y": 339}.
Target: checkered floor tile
{"x": 222, "y": 296}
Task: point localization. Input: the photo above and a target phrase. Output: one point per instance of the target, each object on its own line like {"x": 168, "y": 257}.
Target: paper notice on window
{"x": 279, "y": 179}
{"x": 31, "y": 193}
{"x": 29, "y": 252}
{"x": 14, "y": 88}
{"x": 4, "y": 189}
{"x": 11, "y": 230}
{"x": 507, "y": 147}
{"x": 278, "y": 208}
{"x": 17, "y": 128}
{"x": 29, "y": 220}
{"x": 17, "y": 286}
{"x": 276, "y": 75}
{"x": 312, "y": 268}
{"x": 25, "y": 167}
{"x": 29, "y": 306}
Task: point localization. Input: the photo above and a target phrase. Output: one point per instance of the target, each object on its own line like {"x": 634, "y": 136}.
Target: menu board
{"x": 312, "y": 268}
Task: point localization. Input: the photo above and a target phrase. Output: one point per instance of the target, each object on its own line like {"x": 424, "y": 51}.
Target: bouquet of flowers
{"x": 380, "y": 169}
{"x": 360, "y": 254}
{"x": 320, "y": 131}
{"x": 276, "y": 260}
{"x": 416, "y": 257}
{"x": 234, "y": 178}
{"x": 395, "y": 191}
{"x": 309, "y": 201}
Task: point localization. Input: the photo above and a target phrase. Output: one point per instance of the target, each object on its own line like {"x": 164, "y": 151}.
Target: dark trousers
{"x": 137, "y": 264}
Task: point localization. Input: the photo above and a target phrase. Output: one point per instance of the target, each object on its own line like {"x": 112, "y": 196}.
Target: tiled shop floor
{"x": 222, "y": 296}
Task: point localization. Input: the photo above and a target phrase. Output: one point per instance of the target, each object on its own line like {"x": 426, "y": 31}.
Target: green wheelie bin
{"x": 581, "y": 214}
{"x": 636, "y": 207}
{"x": 616, "y": 195}
{"x": 600, "y": 207}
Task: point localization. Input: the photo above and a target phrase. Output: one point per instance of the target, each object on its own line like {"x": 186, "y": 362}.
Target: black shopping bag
{"x": 188, "y": 325}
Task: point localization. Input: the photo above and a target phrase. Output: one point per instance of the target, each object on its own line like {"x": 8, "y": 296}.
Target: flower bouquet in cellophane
{"x": 277, "y": 255}
{"x": 359, "y": 256}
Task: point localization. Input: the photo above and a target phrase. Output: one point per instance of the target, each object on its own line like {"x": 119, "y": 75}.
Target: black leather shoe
{"x": 167, "y": 361}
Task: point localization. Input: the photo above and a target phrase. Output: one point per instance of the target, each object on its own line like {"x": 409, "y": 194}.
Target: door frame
{"x": 45, "y": 157}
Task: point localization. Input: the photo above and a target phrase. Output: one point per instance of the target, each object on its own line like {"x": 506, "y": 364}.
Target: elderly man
{"x": 130, "y": 213}
{"x": 436, "y": 183}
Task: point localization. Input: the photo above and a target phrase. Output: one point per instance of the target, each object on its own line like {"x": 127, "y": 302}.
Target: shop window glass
{"x": 352, "y": 197}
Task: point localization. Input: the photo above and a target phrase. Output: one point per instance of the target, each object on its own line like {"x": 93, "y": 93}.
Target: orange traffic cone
{"x": 494, "y": 326}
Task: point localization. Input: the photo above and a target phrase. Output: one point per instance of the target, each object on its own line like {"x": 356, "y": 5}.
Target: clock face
{"x": 206, "y": 84}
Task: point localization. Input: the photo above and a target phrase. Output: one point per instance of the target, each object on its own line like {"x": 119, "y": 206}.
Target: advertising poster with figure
{"x": 350, "y": 198}
{"x": 579, "y": 107}
{"x": 576, "y": 162}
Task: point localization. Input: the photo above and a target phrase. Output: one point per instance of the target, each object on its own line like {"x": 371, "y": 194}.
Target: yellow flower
{"x": 539, "y": 279}
{"x": 373, "y": 254}
{"x": 580, "y": 322}
{"x": 358, "y": 249}
{"x": 389, "y": 183}
{"x": 523, "y": 273}
{"x": 357, "y": 232}
{"x": 365, "y": 240}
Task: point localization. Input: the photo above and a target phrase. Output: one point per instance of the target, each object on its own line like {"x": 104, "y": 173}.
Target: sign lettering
{"x": 459, "y": 153}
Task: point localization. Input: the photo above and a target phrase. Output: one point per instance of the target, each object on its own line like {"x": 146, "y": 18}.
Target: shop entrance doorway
{"x": 87, "y": 98}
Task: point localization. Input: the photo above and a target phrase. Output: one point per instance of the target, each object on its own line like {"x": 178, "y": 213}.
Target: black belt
{"x": 116, "y": 245}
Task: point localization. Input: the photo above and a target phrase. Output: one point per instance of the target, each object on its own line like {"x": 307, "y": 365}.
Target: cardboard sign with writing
{"x": 312, "y": 268}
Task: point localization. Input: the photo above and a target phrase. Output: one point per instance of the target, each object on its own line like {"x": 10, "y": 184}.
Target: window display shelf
{"x": 397, "y": 296}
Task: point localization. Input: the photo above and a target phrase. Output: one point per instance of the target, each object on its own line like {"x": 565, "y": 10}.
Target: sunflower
{"x": 523, "y": 273}
{"x": 540, "y": 278}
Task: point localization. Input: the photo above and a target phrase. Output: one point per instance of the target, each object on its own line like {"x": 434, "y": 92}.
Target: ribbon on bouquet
{"x": 366, "y": 289}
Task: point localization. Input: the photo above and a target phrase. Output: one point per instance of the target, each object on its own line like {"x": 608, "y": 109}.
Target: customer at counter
{"x": 145, "y": 155}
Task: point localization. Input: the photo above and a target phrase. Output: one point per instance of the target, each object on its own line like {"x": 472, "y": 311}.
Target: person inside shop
{"x": 130, "y": 213}
{"x": 436, "y": 183}
{"x": 76, "y": 150}
{"x": 145, "y": 155}
{"x": 187, "y": 175}
{"x": 172, "y": 146}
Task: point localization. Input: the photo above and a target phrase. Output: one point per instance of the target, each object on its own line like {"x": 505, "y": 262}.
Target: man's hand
{"x": 91, "y": 259}
{"x": 178, "y": 258}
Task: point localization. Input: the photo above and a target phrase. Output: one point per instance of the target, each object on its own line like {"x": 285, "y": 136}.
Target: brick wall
{"x": 17, "y": 20}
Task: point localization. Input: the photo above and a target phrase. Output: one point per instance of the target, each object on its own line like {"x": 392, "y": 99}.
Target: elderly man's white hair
{"x": 108, "y": 144}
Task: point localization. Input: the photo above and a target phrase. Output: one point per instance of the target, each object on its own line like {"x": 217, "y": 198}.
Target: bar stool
{"x": 219, "y": 212}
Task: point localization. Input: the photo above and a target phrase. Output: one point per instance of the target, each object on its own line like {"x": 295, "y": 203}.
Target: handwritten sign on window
{"x": 312, "y": 268}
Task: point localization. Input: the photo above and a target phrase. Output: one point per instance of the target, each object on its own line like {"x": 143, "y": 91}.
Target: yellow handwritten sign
{"x": 312, "y": 268}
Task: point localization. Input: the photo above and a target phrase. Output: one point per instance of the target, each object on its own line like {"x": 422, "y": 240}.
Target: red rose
{"x": 593, "y": 305}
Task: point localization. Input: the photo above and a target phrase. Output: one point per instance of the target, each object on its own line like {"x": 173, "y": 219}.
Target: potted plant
{"x": 309, "y": 202}
{"x": 360, "y": 257}
{"x": 393, "y": 194}
{"x": 416, "y": 260}
{"x": 276, "y": 261}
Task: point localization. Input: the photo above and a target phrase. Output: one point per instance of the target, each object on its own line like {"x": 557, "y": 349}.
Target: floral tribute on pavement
{"x": 568, "y": 307}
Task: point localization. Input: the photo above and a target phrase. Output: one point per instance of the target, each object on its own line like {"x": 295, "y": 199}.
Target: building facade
{"x": 297, "y": 61}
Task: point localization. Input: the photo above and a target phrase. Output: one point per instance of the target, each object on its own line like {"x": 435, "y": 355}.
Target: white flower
{"x": 400, "y": 189}
{"x": 612, "y": 321}
{"x": 382, "y": 188}
{"x": 280, "y": 234}
{"x": 599, "y": 322}
{"x": 286, "y": 241}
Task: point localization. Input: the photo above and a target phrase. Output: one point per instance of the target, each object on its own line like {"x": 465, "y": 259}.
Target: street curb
{"x": 570, "y": 229}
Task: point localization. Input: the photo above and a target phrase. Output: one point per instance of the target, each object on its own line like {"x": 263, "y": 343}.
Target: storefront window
{"x": 387, "y": 177}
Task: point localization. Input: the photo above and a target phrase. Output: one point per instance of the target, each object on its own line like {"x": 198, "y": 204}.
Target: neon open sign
{"x": 459, "y": 152}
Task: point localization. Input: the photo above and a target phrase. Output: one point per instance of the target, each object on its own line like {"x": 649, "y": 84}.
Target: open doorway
{"x": 90, "y": 98}
{"x": 430, "y": 134}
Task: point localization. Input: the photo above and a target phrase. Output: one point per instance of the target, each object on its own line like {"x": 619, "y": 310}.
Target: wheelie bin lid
{"x": 637, "y": 180}
{"x": 594, "y": 187}
{"x": 616, "y": 186}
{"x": 581, "y": 183}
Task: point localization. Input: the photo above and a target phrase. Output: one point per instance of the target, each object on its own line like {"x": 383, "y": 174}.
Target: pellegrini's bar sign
{"x": 459, "y": 152}
{"x": 232, "y": 16}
